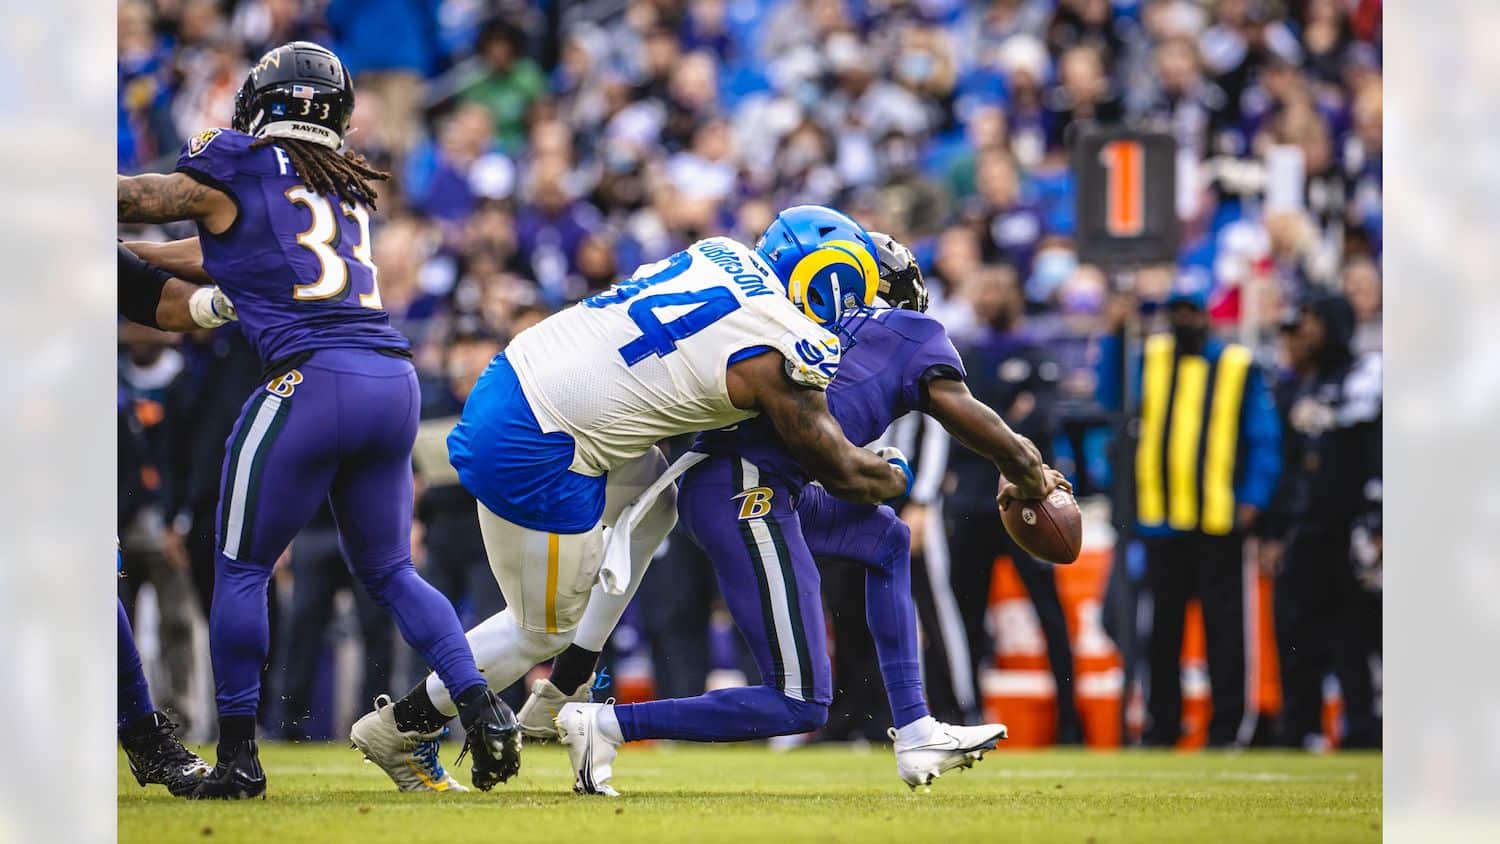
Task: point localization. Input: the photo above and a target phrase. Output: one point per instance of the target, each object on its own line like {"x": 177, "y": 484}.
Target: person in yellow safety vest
{"x": 1207, "y": 461}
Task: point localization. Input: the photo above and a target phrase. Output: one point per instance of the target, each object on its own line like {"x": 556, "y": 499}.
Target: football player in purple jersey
{"x": 762, "y": 522}
{"x": 283, "y": 217}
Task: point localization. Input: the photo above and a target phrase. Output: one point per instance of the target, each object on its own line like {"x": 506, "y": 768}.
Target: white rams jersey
{"x": 647, "y": 359}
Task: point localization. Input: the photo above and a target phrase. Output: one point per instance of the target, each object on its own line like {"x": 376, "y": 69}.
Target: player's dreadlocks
{"x": 325, "y": 171}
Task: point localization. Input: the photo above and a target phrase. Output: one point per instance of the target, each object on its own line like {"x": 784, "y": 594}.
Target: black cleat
{"x": 494, "y": 737}
{"x": 156, "y": 756}
{"x": 238, "y": 775}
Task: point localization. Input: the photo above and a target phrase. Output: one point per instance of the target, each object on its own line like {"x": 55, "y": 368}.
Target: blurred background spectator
{"x": 544, "y": 149}
{"x": 1324, "y": 541}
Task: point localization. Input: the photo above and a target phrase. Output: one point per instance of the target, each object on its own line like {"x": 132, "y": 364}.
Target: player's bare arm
{"x": 151, "y": 295}
{"x": 182, "y": 258}
{"x": 157, "y": 198}
{"x": 981, "y": 429}
{"x": 800, "y": 415}
{"x": 175, "y": 311}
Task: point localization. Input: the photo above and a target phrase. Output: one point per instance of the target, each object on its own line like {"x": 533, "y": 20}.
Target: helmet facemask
{"x": 901, "y": 282}
{"x": 834, "y": 286}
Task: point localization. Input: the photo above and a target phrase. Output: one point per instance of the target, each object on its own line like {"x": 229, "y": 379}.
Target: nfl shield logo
{"x": 303, "y": 92}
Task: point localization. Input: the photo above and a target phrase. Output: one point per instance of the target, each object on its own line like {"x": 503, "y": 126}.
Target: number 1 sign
{"x": 1126, "y": 194}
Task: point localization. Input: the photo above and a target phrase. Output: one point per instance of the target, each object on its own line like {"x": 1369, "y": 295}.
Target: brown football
{"x": 1050, "y": 530}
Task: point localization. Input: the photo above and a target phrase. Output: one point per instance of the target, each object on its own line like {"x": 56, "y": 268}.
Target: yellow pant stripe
{"x": 552, "y": 583}
{"x": 1156, "y": 375}
{"x": 1182, "y": 451}
{"x": 1223, "y": 440}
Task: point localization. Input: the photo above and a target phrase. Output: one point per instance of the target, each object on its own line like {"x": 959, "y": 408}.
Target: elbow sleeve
{"x": 140, "y": 286}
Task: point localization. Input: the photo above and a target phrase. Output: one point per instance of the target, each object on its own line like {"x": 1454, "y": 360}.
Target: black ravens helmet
{"x": 901, "y": 282}
{"x": 298, "y": 90}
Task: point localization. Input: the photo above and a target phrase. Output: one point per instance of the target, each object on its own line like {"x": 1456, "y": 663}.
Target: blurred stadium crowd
{"x": 542, "y": 150}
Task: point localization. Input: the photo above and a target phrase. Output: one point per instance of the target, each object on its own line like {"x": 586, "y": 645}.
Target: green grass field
{"x": 326, "y": 793}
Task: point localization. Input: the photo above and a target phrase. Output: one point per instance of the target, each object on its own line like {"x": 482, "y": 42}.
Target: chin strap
{"x": 302, "y": 131}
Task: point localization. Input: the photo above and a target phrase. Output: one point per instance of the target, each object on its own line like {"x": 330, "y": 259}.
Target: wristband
{"x": 911, "y": 478}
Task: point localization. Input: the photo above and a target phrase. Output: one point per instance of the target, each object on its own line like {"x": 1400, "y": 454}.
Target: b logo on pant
{"x": 286, "y": 384}
{"x": 756, "y": 503}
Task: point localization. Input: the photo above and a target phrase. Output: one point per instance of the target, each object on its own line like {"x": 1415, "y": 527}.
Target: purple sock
{"x": 752, "y": 712}
{"x": 427, "y": 622}
{"x": 892, "y": 619}
{"x": 239, "y": 634}
{"x": 134, "y": 700}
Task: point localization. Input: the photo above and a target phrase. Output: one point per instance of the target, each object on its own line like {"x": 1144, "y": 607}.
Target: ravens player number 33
{"x": 283, "y": 217}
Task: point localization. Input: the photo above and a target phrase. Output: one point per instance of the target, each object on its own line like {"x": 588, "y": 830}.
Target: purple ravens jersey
{"x": 296, "y": 264}
{"x": 879, "y": 380}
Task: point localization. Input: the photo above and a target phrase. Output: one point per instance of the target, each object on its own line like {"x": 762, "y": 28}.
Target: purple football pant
{"x": 339, "y": 427}
{"x": 762, "y": 540}
{"x": 133, "y": 698}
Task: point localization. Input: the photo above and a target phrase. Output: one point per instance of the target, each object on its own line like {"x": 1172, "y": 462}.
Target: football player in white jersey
{"x": 559, "y": 436}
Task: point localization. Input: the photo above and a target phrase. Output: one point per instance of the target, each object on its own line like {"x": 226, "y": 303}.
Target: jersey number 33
{"x": 335, "y": 270}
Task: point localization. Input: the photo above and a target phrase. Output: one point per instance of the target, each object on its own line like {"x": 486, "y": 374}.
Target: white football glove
{"x": 210, "y": 308}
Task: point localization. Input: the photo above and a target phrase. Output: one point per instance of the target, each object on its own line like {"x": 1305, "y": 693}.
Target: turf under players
{"x": 284, "y": 227}
{"x": 559, "y": 434}
{"x": 759, "y": 520}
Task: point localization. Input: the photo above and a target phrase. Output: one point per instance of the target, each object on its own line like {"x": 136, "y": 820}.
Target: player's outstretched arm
{"x": 157, "y": 198}
{"x": 975, "y": 425}
{"x": 811, "y": 434}
{"x": 182, "y": 258}
{"x": 150, "y": 296}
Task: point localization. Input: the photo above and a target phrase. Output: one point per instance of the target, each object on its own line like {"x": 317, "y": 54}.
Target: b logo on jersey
{"x": 199, "y": 142}
{"x": 286, "y": 384}
{"x": 756, "y": 502}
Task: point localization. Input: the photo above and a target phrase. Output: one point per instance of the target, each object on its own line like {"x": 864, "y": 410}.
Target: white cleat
{"x": 945, "y": 748}
{"x": 539, "y": 714}
{"x": 591, "y": 753}
{"x": 410, "y": 759}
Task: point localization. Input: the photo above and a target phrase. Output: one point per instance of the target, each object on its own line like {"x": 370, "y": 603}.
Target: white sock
{"x": 609, "y": 725}
{"x": 917, "y": 731}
